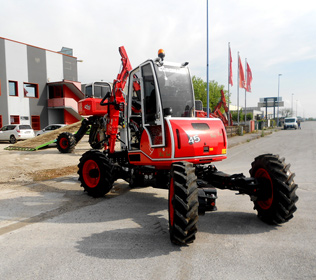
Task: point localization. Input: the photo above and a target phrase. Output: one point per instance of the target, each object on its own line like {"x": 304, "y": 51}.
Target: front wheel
{"x": 278, "y": 205}
{"x": 66, "y": 142}
{"x": 95, "y": 173}
{"x": 183, "y": 203}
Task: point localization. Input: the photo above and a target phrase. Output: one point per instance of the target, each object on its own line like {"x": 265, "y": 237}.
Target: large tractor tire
{"x": 279, "y": 204}
{"x": 95, "y": 173}
{"x": 66, "y": 142}
{"x": 183, "y": 204}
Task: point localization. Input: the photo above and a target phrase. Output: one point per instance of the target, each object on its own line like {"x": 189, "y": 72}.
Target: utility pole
{"x": 278, "y": 98}
{"x": 238, "y": 90}
{"x": 207, "y": 79}
{"x": 292, "y": 113}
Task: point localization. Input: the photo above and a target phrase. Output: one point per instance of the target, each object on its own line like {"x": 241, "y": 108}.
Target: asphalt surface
{"x": 53, "y": 230}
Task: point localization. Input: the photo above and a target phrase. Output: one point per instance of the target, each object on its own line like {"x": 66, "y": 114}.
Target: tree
{"x": 200, "y": 91}
{"x": 286, "y": 112}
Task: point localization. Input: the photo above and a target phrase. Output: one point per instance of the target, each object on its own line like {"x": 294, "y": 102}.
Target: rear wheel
{"x": 95, "y": 173}
{"x": 66, "y": 142}
{"x": 12, "y": 139}
{"x": 183, "y": 203}
{"x": 278, "y": 205}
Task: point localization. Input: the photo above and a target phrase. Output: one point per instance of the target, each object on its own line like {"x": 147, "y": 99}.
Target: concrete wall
{"x": 70, "y": 68}
{"x": 54, "y": 64}
{"x": 56, "y": 115}
{"x": 37, "y": 73}
{"x": 17, "y": 70}
{"x": 3, "y": 81}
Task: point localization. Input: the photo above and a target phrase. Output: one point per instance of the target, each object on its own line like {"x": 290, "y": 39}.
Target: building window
{"x": 30, "y": 90}
{"x": 0, "y": 121}
{"x": 14, "y": 119}
{"x": 36, "y": 124}
{"x": 13, "y": 88}
{"x": 55, "y": 91}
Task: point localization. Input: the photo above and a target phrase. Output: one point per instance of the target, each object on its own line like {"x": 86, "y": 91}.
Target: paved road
{"x": 125, "y": 236}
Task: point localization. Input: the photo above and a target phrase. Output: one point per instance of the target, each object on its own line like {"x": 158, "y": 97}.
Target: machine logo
{"x": 87, "y": 107}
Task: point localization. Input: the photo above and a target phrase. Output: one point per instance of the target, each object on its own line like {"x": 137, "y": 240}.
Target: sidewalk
{"x": 238, "y": 140}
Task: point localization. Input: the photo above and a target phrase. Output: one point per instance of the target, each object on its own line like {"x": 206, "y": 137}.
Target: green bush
{"x": 241, "y": 116}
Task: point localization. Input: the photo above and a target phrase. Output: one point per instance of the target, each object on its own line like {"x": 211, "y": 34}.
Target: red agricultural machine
{"x": 151, "y": 137}
{"x": 225, "y": 117}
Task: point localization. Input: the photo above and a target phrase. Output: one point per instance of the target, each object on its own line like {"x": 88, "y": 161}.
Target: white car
{"x": 15, "y": 132}
{"x": 290, "y": 123}
{"x": 49, "y": 128}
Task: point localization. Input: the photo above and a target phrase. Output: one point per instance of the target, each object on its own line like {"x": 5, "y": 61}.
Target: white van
{"x": 290, "y": 123}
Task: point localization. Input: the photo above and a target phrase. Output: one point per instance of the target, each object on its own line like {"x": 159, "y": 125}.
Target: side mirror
{"x": 167, "y": 112}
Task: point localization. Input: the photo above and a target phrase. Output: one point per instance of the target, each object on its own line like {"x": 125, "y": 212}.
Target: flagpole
{"x": 245, "y": 90}
{"x": 207, "y": 58}
{"x": 238, "y": 89}
{"x": 228, "y": 117}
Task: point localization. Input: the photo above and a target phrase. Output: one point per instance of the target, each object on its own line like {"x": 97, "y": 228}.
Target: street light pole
{"x": 278, "y": 98}
{"x": 207, "y": 66}
{"x": 292, "y": 106}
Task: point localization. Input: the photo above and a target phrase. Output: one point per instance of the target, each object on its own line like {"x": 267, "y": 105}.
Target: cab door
{"x": 134, "y": 109}
{"x": 152, "y": 113}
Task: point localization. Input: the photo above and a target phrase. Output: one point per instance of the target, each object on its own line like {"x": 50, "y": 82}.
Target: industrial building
{"x": 37, "y": 86}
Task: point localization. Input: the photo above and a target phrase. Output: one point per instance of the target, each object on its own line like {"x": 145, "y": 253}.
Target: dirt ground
{"x": 18, "y": 168}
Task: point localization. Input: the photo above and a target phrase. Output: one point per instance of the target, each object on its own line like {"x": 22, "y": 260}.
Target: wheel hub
{"x": 94, "y": 173}
{"x": 64, "y": 143}
{"x": 266, "y": 200}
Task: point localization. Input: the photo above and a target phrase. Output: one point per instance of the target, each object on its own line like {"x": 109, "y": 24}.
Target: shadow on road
{"x": 125, "y": 224}
{"x": 233, "y": 223}
{"x": 148, "y": 235}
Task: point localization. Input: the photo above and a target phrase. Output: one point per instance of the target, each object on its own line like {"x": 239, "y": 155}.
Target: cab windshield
{"x": 176, "y": 90}
{"x": 100, "y": 89}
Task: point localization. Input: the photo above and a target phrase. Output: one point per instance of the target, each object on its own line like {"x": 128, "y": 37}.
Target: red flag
{"x": 249, "y": 78}
{"x": 230, "y": 68}
{"x": 241, "y": 75}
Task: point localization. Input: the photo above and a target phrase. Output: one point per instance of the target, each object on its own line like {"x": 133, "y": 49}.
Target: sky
{"x": 276, "y": 37}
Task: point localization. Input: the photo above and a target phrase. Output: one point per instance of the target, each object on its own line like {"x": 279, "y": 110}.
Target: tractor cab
{"x": 157, "y": 90}
{"x": 94, "y": 93}
{"x": 161, "y": 127}
{"x": 97, "y": 89}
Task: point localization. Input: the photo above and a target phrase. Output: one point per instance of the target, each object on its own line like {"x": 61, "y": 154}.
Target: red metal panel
{"x": 91, "y": 106}
{"x": 190, "y": 139}
{"x": 199, "y": 137}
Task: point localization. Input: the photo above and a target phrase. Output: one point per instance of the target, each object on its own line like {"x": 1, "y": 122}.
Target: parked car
{"x": 14, "y": 132}
{"x": 290, "y": 123}
{"x": 49, "y": 128}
